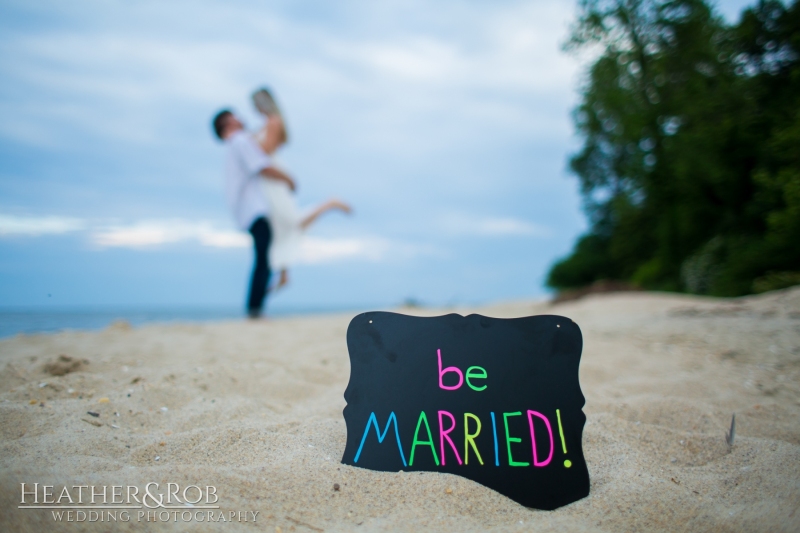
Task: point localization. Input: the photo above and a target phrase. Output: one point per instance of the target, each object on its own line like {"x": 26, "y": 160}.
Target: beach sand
{"x": 255, "y": 409}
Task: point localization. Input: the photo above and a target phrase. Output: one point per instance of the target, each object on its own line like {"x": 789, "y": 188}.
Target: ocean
{"x": 28, "y": 321}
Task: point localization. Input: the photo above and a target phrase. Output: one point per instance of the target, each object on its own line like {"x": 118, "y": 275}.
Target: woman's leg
{"x": 330, "y": 205}
{"x": 283, "y": 280}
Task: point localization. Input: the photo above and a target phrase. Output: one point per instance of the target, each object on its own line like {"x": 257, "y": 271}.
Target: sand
{"x": 255, "y": 409}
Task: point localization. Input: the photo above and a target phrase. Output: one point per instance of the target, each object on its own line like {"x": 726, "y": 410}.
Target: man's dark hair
{"x": 219, "y": 122}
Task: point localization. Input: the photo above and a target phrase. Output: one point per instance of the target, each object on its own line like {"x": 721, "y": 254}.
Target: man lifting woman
{"x": 261, "y": 197}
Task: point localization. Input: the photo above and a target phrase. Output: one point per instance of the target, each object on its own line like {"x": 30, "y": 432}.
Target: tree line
{"x": 690, "y": 165}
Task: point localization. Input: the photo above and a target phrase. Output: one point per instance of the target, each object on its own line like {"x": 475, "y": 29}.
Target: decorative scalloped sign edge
{"x": 497, "y": 401}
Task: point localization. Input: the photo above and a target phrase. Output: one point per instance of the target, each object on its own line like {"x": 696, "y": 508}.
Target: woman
{"x": 287, "y": 221}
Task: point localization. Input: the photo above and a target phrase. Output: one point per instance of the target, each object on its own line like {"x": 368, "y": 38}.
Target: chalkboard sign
{"x": 497, "y": 401}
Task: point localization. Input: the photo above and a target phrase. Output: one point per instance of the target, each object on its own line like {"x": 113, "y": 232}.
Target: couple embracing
{"x": 260, "y": 195}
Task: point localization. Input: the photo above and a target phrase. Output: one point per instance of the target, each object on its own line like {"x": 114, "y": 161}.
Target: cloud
{"x": 512, "y": 49}
{"x": 33, "y": 226}
{"x": 223, "y": 239}
{"x": 148, "y": 234}
{"x": 316, "y": 250}
{"x": 501, "y": 66}
{"x": 313, "y": 250}
{"x": 459, "y": 224}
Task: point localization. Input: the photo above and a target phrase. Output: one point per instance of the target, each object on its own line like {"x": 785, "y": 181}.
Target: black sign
{"x": 497, "y": 401}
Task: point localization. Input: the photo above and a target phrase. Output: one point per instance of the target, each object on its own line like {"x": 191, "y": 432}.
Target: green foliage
{"x": 588, "y": 263}
{"x": 690, "y": 168}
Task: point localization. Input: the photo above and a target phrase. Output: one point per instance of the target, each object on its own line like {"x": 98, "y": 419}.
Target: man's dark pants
{"x": 262, "y": 235}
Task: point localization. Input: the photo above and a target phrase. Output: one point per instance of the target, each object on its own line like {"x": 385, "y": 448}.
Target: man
{"x": 245, "y": 166}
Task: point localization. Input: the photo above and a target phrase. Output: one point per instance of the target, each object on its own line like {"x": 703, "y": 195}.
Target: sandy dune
{"x": 254, "y": 409}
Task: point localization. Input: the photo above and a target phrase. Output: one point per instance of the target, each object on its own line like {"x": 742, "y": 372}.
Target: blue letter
{"x": 373, "y": 420}
{"x": 494, "y": 432}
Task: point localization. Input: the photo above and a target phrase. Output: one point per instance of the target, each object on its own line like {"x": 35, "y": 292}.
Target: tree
{"x": 688, "y": 170}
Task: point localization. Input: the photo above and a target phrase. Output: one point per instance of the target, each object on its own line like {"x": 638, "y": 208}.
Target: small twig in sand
{"x": 729, "y": 436}
{"x": 299, "y": 523}
{"x": 92, "y": 422}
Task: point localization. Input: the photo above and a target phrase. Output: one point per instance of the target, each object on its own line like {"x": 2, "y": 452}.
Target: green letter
{"x": 469, "y": 438}
{"x": 429, "y": 442}
{"x": 477, "y": 375}
{"x": 509, "y": 440}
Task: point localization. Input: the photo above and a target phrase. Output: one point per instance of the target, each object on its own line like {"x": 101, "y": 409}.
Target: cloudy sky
{"x": 446, "y": 125}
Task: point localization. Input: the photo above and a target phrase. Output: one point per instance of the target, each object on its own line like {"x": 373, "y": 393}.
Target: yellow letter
{"x": 469, "y": 439}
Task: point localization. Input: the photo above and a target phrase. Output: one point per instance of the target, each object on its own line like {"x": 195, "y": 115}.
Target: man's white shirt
{"x": 245, "y": 161}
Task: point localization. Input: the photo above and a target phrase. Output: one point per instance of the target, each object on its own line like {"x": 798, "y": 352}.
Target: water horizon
{"x": 33, "y": 320}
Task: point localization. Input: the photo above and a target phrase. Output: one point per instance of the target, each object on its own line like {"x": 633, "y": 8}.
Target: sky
{"x": 445, "y": 124}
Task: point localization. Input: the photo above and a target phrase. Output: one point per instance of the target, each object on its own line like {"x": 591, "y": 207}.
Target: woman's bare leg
{"x": 282, "y": 280}
{"x": 330, "y": 205}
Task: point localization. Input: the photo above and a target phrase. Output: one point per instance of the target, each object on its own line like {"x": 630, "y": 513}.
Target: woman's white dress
{"x": 285, "y": 218}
